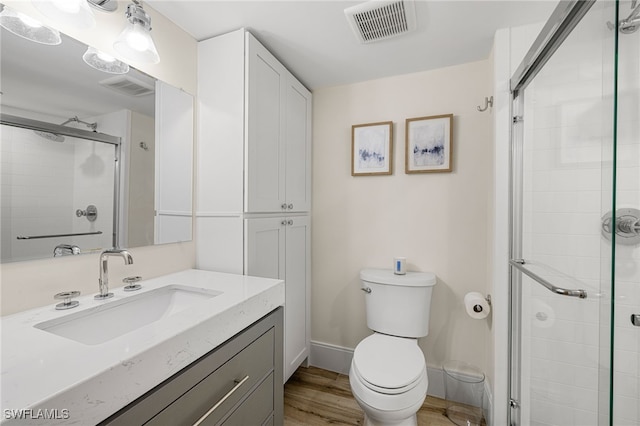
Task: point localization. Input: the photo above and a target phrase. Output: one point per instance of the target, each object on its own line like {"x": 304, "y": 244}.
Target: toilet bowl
{"x": 388, "y": 373}
{"x": 388, "y": 378}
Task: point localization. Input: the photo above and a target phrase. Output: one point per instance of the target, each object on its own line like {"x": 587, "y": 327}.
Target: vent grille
{"x": 127, "y": 86}
{"x": 379, "y": 20}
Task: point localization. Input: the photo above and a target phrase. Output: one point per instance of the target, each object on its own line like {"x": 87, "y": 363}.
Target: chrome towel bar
{"x": 519, "y": 264}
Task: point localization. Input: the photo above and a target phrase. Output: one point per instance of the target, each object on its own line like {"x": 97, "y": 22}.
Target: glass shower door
{"x": 563, "y": 184}
{"x": 626, "y": 342}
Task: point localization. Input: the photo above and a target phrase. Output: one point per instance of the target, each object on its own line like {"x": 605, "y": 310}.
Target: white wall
{"x": 30, "y": 284}
{"x": 438, "y": 221}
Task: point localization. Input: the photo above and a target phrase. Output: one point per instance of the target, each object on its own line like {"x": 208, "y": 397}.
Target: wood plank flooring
{"x": 314, "y": 397}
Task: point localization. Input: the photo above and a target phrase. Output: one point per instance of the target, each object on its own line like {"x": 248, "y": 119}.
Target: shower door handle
{"x": 519, "y": 265}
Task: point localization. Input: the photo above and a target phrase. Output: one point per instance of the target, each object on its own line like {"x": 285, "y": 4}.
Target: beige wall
{"x": 439, "y": 221}
{"x": 30, "y": 284}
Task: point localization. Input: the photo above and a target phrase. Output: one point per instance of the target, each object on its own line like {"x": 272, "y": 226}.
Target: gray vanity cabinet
{"x": 238, "y": 383}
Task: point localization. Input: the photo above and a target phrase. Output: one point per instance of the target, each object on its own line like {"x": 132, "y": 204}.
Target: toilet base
{"x": 403, "y": 417}
{"x": 411, "y": 421}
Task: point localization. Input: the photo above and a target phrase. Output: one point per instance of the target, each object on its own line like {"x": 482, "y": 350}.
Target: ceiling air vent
{"x": 378, "y": 20}
{"x": 127, "y": 86}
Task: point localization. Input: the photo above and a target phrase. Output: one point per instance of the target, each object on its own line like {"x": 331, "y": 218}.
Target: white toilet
{"x": 388, "y": 373}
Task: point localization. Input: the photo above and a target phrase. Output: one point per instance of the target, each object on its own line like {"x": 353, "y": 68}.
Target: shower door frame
{"x": 562, "y": 21}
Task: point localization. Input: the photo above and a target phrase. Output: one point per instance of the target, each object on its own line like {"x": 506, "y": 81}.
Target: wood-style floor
{"x": 313, "y": 396}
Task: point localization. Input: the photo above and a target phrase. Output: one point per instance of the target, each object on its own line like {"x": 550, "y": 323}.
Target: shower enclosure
{"x": 59, "y": 189}
{"x": 575, "y": 223}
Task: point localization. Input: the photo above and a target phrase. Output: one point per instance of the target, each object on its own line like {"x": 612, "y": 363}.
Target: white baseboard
{"x": 338, "y": 359}
{"x": 330, "y": 357}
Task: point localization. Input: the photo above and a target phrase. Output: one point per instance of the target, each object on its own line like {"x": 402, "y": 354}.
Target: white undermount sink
{"x": 113, "y": 319}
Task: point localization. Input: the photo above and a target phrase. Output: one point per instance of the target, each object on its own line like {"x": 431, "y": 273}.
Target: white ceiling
{"x": 313, "y": 38}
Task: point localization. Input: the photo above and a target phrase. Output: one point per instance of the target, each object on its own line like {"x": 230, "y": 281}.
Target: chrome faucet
{"x": 65, "y": 250}
{"x": 103, "y": 282}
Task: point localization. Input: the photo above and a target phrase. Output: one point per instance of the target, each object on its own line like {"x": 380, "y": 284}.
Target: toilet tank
{"x": 398, "y": 305}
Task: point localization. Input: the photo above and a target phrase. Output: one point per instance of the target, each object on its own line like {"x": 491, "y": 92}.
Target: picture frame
{"x": 429, "y": 144}
{"x": 372, "y": 149}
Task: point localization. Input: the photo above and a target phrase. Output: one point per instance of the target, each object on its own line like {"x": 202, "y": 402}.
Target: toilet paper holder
{"x": 478, "y": 308}
{"x": 477, "y": 305}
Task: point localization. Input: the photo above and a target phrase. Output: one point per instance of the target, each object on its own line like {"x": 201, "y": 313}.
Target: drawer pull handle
{"x": 223, "y": 399}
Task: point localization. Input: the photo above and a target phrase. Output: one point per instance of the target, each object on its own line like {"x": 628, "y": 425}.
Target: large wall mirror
{"x": 90, "y": 160}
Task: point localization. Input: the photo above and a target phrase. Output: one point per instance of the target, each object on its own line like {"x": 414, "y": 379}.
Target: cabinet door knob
{"x": 284, "y": 206}
{"x": 290, "y": 206}
{"x": 284, "y": 222}
{"x": 290, "y": 222}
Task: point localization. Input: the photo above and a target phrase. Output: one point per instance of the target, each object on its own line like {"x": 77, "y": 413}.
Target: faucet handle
{"x": 67, "y": 296}
{"x": 131, "y": 283}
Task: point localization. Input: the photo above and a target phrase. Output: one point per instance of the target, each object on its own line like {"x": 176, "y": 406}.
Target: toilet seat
{"x": 388, "y": 364}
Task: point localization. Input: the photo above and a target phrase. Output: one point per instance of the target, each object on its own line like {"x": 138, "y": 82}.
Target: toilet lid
{"x": 389, "y": 362}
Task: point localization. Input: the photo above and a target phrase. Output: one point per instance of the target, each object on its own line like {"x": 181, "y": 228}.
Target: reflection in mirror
{"x": 43, "y": 173}
{"x": 48, "y": 184}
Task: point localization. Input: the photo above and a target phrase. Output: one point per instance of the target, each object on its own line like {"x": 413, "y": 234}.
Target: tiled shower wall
{"x": 43, "y": 183}
{"x": 568, "y": 187}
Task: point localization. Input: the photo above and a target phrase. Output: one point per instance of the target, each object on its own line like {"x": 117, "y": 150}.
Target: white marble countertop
{"x": 84, "y": 384}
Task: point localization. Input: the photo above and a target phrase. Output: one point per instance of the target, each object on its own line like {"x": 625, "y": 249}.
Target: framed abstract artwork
{"x": 372, "y": 149}
{"x": 429, "y": 144}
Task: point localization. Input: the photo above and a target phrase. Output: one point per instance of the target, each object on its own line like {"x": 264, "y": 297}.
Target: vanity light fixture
{"x": 104, "y": 62}
{"x": 75, "y": 13}
{"x": 27, "y": 27}
{"x": 135, "y": 42}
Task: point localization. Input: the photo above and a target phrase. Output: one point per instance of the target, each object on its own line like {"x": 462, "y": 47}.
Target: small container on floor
{"x": 464, "y": 392}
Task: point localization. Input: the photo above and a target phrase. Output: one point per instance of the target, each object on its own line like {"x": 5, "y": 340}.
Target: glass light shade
{"x": 104, "y": 62}
{"x": 29, "y": 28}
{"x": 75, "y": 13}
{"x": 135, "y": 43}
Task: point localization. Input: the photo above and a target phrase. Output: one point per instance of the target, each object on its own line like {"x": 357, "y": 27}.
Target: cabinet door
{"x": 265, "y": 247}
{"x": 280, "y": 248}
{"x": 265, "y": 178}
{"x": 298, "y": 147}
{"x": 297, "y": 293}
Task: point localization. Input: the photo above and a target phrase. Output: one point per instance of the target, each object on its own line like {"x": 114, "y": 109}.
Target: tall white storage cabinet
{"x": 254, "y": 175}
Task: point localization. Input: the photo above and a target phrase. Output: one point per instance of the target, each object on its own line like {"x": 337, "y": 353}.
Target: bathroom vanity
{"x": 187, "y": 344}
{"x": 237, "y": 383}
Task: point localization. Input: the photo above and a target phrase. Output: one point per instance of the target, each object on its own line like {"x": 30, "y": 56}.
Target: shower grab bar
{"x": 35, "y": 237}
{"x": 519, "y": 265}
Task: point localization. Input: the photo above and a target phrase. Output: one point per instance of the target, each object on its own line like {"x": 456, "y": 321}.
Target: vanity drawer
{"x": 241, "y": 368}
{"x": 223, "y": 388}
{"x": 257, "y": 409}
